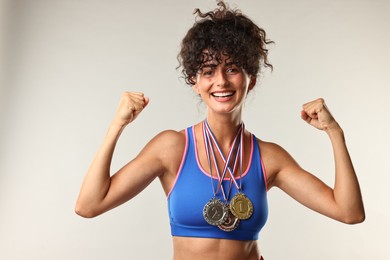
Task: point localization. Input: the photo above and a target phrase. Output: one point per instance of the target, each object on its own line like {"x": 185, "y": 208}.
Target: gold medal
{"x": 241, "y": 206}
{"x": 215, "y": 212}
{"x": 230, "y": 224}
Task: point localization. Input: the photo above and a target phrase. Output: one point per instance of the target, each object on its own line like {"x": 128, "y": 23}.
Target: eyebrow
{"x": 209, "y": 65}
{"x": 212, "y": 64}
{"x": 230, "y": 63}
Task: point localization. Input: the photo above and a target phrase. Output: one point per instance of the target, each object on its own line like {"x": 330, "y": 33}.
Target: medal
{"x": 226, "y": 216}
{"x": 215, "y": 212}
{"x": 241, "y": 206}
{"x": 230, "y": 224}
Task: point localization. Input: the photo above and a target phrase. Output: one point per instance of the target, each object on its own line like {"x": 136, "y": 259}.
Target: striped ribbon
{"x": 208, "y": 136}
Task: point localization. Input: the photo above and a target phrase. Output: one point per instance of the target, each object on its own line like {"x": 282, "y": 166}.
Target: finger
{"x": 304, "y": 115}
{"x": 313, "y": 108}
{"x": 146, "y": 101}
{"x": 318, "y": 100}
{"x": 137, "y": 96}
{"x": 134, "y": 97}
{"x": 140, "y": 105}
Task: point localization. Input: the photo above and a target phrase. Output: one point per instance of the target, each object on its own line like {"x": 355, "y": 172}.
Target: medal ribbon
{"x": 207, "y": 134}
{"x": 208, "y": 148}
{"x": 226, "y": 161}
{"x": 241, "y": 155}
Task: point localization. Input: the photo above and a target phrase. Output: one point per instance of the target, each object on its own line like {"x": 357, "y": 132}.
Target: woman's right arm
{"x": 101, "y": 192}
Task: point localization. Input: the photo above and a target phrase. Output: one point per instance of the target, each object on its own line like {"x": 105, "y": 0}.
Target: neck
{"x": 224, "y": 128}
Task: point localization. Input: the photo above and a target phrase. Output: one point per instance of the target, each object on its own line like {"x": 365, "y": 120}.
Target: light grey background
{"x": 65, "y": 64}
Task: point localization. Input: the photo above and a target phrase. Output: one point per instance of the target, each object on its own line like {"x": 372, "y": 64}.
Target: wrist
{"x": 119, "y": 124}
{"x": 116, "y": 127}
{"x": 334, "y": 130}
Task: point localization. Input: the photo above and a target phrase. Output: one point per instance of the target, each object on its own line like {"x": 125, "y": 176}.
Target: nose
{"x": 221, "y": 79}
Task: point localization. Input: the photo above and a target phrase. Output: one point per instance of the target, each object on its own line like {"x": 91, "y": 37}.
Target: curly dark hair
{"x": 223, "y": 32}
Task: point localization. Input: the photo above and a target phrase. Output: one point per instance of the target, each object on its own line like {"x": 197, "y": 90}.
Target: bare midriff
{"x": 190, "y": 248}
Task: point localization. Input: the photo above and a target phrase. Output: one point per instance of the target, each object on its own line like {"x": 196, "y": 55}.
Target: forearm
{"x": 346, "y": 192}
{"x": 97, "y": 180}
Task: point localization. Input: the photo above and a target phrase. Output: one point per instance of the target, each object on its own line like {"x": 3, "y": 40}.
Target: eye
{"x": 232, "y": 70}
{"x": 207, "y": 72}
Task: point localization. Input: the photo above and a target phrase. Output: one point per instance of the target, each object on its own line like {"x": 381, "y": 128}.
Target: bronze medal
{"x": 241, "y": 206}
{"x": 215, "y": 212}
{"x": 230, "y": 224}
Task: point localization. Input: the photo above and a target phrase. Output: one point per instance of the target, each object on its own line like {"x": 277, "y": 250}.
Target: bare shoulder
{"x": 165, "y": 152}
{"x": 170, "y": 139}
{"x": 276, "y": 160}
{"x": 272, "y": 149}
{"x": 167, "y": 142}
{"x": 165, "y": 149}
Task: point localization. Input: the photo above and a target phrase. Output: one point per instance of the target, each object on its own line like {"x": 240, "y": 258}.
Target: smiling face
{"x": 224, "y": 30}
{"x": 223, "y": 85}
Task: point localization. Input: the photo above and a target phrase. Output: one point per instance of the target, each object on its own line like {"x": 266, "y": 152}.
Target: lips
{"x": 223, "y": 94}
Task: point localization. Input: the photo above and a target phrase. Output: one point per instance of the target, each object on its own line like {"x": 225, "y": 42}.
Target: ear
{"x": 195, "y": 89}
{"x": 252, "y": 82}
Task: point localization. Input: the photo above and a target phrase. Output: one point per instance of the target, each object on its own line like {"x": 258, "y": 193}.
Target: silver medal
{"x": 215, "y": 212}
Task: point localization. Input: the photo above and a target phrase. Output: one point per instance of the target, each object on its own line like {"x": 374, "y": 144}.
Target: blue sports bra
{"x": 192, "y": 190}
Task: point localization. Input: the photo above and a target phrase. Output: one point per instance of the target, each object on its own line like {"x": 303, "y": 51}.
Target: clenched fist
{"x": 318, "y": 115}
{"x": 131, "y": 105}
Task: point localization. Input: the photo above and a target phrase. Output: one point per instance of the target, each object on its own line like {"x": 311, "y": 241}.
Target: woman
{"x": 216, "y": 174}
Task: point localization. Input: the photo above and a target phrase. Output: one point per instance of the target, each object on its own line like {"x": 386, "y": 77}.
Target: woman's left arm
{"x": 344, "y": 201}
{"x": 346, "y": 190}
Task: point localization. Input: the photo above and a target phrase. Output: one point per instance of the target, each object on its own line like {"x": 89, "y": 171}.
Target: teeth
{"x": 223, "y": 94}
